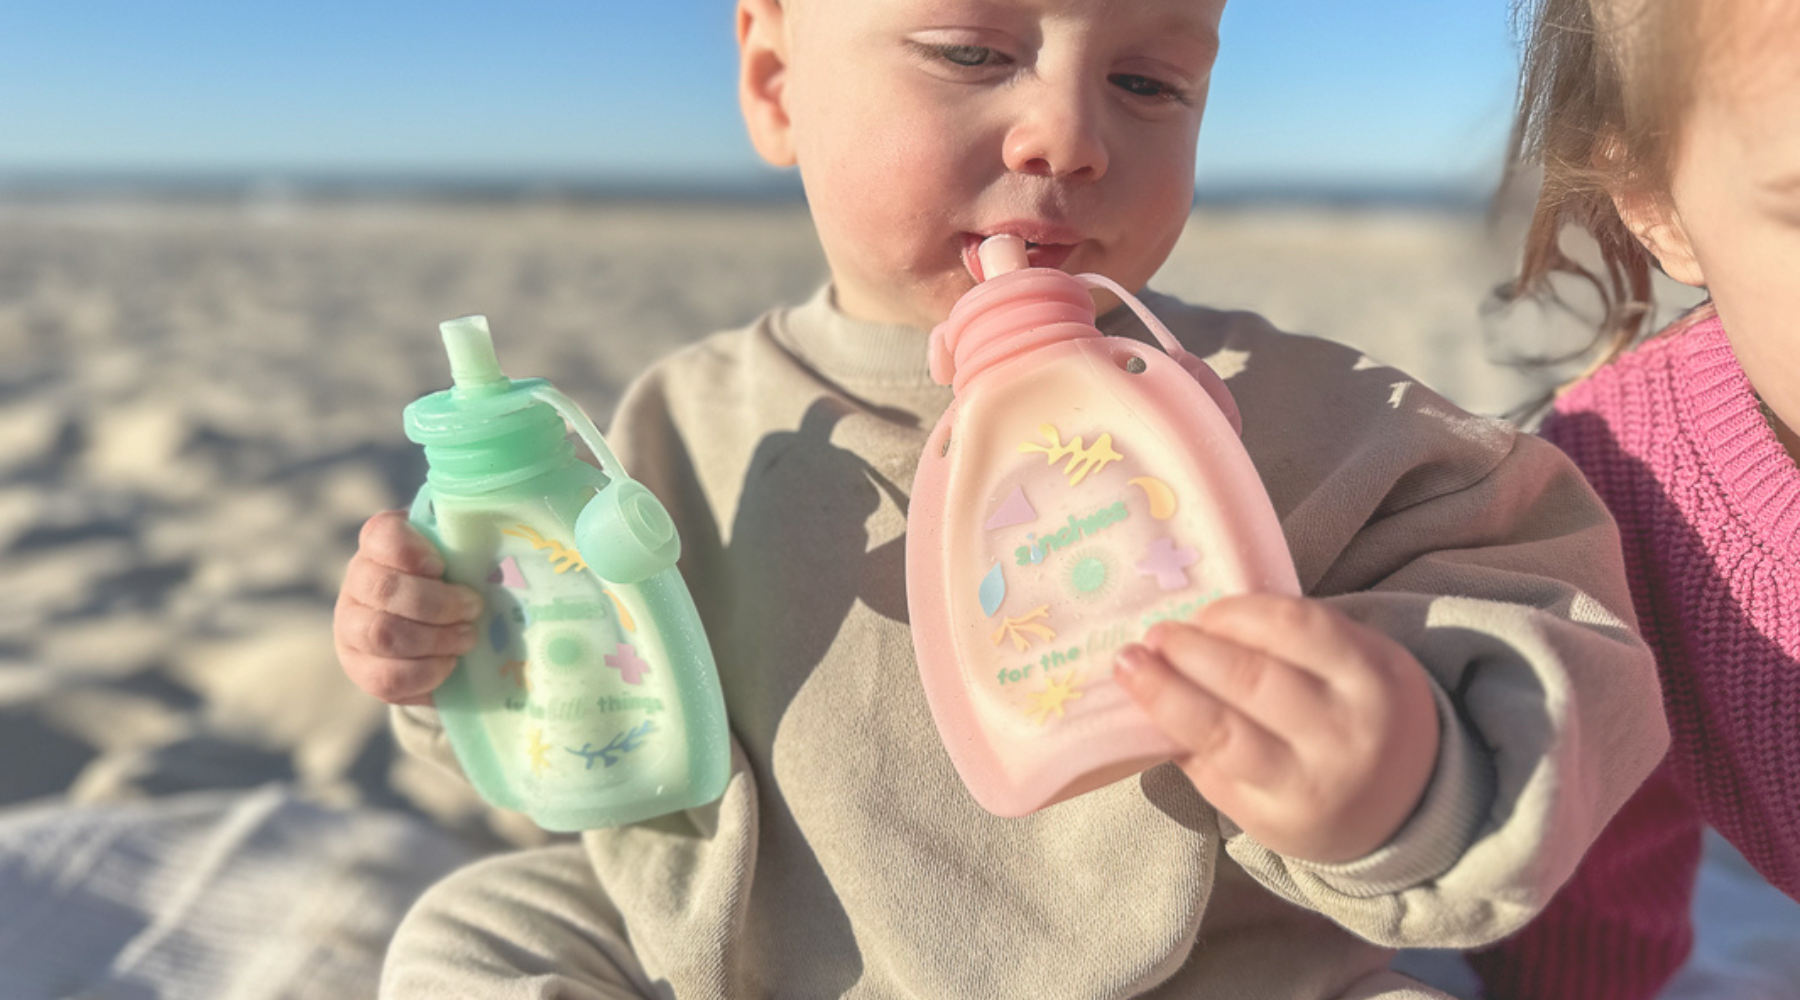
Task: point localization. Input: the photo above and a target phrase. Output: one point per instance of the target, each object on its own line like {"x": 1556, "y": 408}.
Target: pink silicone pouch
{"x": 1078, "y": 490}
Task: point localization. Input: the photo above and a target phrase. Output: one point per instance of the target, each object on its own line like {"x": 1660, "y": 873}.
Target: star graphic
{"x": 1050, "y": 699}
{"x": 539, "y": 751}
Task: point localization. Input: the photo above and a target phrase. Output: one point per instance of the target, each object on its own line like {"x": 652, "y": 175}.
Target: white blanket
{"x": 232, "y": 894}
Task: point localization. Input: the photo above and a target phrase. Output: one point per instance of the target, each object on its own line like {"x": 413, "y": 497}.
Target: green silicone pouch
{"x": 591, "y": 698}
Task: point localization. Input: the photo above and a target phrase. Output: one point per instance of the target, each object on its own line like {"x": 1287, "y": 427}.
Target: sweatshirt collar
{"x": 853, "y": 351}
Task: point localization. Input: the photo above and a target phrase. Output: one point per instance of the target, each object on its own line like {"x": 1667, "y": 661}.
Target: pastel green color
{"x": 591, "y": 698}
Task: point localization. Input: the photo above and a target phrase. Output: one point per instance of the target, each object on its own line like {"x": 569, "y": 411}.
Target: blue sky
{"x": 1307, "y": 92}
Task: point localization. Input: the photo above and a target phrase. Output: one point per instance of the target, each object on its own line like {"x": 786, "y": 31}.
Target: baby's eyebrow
{"x": 1188, "y": 29}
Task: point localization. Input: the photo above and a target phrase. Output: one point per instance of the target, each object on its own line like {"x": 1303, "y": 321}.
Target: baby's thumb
{"x": 391, "y": 540}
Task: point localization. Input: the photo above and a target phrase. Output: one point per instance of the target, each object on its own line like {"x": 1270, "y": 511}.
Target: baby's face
{"x": 922, "y": 126}
{"x": 1736, "y": 192}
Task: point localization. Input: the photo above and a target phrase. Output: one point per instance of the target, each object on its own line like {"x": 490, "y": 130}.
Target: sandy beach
{"x": 200, "y": 403}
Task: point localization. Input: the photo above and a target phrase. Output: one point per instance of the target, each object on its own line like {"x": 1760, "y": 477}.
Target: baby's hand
{"x": 1315, "y": 734}
{"x": 399, "y": 628}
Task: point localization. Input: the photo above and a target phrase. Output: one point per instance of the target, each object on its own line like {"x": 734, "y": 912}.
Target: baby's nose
{"x": 1057, "y": 137}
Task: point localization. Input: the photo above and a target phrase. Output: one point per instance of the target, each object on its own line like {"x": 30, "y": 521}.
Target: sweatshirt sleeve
{"x": 1621, "y": 928}
{"x": 420, "y": 732}
{"x": 1484, "y": 553}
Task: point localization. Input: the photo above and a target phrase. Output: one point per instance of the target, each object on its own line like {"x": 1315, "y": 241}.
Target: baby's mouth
{"x": 1044, "y": 253}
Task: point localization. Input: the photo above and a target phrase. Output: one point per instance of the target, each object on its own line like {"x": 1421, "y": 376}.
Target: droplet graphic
{"x": 992, "y": 591}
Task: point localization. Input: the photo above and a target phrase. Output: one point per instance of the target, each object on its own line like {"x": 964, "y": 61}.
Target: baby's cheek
{"x": 900, "y": 184}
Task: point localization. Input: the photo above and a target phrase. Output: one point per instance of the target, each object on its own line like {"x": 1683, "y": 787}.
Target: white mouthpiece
{"x": 473, "y": 365}
{"x": 1002, "y": 255}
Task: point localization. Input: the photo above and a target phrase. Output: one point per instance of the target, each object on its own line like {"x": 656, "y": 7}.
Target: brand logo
{"x": 1077, "y": 529}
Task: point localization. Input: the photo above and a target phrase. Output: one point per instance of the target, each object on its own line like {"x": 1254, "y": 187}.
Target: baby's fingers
{"x": 384, "y": 634}
{"x": 1273, "y": 692}
{"x": 1307, "y": 633}
{"x": 389, "y": 539}
{"x": 417, "y": 598}
{"x": 1219, "y": 739}
{"x": 397, "y": 682}
{"x": 396, "y": 659}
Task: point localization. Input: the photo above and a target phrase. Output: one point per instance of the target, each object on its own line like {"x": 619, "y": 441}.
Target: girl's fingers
{"x": 1273, "y": 692}
{"x": 1219, "y": 738}
{"x": 389, "y": 539}
{"x": 418, "y": 598}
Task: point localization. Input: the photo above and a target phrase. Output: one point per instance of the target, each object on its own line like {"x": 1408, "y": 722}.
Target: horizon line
{"x": 236, "y": 185}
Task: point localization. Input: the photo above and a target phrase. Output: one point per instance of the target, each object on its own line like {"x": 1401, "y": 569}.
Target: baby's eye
{"x": 1143, "y": 86}
{"x": 967, "y": 55}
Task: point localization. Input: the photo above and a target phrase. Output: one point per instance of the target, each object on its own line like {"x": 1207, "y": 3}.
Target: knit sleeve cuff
{"x": 1440, "y": 828}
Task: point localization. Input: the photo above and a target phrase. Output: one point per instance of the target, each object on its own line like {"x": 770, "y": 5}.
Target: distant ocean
{"x": 765, "y": 189}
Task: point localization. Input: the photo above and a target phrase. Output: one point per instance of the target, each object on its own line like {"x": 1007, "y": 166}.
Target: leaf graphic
{"x": 1017, "y": 629}
{"x": 561, "y": 557}
{"x": 1082, "y": 457}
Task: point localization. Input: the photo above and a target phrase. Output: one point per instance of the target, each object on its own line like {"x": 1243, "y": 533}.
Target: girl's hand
{"x": 1315, "y": 734}
{"x": 398, "y": 627}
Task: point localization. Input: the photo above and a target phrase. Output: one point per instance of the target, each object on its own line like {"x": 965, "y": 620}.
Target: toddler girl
{"x": 1670, "y": 131}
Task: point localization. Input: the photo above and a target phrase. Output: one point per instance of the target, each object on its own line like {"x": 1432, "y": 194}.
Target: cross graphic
{"x": 631, "y": 669}
{"x": 1168, "y": 564}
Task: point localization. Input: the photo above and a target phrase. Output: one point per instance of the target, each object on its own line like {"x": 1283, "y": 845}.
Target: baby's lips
{"x": 971, "y": 257}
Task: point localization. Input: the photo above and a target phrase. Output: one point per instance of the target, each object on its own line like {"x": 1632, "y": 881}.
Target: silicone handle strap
{"x": 584, "y": 429}
{"x": 624, "y": 533}
{"x": 1199, "y": 369}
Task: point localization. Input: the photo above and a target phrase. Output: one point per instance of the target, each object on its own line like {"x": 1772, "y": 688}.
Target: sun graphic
{"x": 1050, "y": 699}
{"x": 1089, "y": 574}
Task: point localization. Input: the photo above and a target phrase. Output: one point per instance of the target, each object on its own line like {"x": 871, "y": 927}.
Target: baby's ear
{"x": 1653, "y": 219}
{"x": 762, "y": 79}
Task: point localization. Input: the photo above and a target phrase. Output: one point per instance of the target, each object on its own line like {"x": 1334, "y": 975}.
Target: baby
{"x": 1414, "y": 754}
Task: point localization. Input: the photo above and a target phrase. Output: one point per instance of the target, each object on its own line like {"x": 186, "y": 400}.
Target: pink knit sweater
{"x": 1708, "y": 505}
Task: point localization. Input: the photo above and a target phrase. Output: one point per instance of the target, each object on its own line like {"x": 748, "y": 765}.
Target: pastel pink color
{"x": 1708, "y": 505}
{"x": 1015, "y": 509}
{"x": 1047, "y": 406}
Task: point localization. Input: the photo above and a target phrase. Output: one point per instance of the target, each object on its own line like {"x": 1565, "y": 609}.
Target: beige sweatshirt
{"x": 846, "y": 858}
